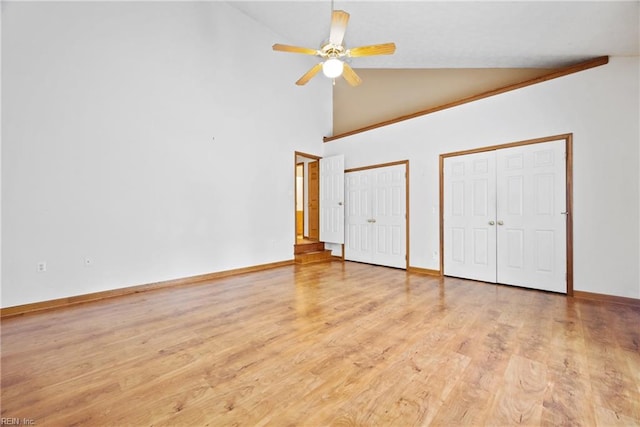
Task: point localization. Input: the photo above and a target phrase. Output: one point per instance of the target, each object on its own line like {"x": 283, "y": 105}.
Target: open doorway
{"x": 307, "y": 247}
{"x": 300, "y": 201}
{"x": 307, "y": 197}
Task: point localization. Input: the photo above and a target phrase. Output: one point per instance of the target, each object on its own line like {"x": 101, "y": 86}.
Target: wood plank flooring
{"x": 326, "y": 344}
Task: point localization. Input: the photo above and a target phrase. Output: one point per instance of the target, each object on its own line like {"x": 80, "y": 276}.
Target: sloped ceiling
{"x": 462, "y": 34}
{"x": 392, "y": 93}
{"x": 517, "y": 36}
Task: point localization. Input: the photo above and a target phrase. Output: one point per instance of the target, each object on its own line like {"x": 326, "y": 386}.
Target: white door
{"x": 504, "y": 216}
{"x": 376, "y": 216}
{"x": 470, "y": 216}
{"x": 531, "y": 219}
{"x": 332, "y": 199}
{"x": 389, "y": 216}
{"x": 358, "y": 217}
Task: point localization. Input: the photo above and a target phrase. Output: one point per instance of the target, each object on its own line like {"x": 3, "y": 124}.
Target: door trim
{"x": 406, "y": 209}
{"x": 568, "y": 138}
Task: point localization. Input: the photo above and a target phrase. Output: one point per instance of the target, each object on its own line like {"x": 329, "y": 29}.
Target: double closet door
{"x": 375, "y": 218}
{"x": 505, "y": 216}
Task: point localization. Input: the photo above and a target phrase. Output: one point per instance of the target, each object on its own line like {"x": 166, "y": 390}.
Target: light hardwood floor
{"x": 326, "y": 344}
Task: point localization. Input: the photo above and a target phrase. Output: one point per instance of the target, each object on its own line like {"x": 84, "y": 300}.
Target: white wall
{"x": 109, "y": 113}
{"x": 599, "y": 106}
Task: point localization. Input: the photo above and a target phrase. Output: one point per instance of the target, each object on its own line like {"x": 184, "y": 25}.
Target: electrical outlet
{"x": 41, "y": 267}
{"x": 434, "y": 255}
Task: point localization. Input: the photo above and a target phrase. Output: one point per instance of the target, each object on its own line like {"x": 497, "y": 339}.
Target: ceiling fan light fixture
{"x": 332, "y": 68}
{"x": 333, "y": 51}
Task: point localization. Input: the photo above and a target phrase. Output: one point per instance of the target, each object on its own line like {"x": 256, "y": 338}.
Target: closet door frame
{"x": 407, "y": 222}
{"x": 568, "y": 138}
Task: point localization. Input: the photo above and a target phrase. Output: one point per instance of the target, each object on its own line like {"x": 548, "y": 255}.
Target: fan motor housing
{"x": 331, "y": 50}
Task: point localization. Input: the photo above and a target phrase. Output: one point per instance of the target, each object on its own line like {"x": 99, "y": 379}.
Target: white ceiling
{"x": 461, "y": 34}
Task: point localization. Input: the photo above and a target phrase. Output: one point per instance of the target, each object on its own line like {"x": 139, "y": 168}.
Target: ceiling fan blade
{"x": 309, "y": 74}
{"x": 294, "y": 49}
{"x": 374, "y": 49}
{"x": 339, "y": 20}
{"x": 350, "y": 76}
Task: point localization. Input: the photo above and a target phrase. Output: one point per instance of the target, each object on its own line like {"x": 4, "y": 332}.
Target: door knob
{"x": 500, "y": 223}
{"x": 492, "y": 222}
{"x": 339, "y": 203}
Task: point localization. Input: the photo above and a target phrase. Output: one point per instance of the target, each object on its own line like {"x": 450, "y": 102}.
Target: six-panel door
{"x": 332, "y": 199}
{"x": 531, "y": 220}
{"x": 470, "y": 216}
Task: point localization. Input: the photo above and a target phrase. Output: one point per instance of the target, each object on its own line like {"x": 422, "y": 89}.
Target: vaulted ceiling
{"x": 497, "y": 43}
{"x": 462, "y": 34}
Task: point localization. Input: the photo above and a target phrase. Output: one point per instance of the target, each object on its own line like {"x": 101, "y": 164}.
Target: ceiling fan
{"x": 333, "y": 52}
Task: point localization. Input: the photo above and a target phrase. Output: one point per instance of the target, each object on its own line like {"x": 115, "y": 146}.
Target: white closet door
{"x": 359, "y": 204}
{"x": 375, "y": 219}
{"x": 531, "y": 224}
{"x": 469, "y": 216}
{"x": 389, "y": 229}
